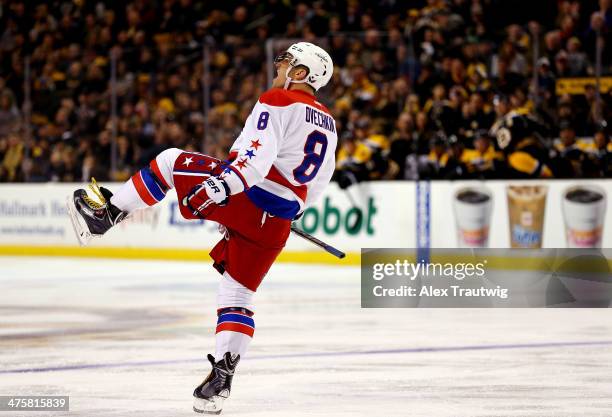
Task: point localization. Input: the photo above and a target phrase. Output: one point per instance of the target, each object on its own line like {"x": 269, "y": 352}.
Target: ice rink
{"x": 129, "y": 338}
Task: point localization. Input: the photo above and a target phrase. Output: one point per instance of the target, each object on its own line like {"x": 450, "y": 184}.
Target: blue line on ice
{"x": 315, "y": 354}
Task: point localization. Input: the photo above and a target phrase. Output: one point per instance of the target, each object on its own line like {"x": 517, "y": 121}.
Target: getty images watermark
{"x": 434, "y": 270}
{"x": 486, "y": 278}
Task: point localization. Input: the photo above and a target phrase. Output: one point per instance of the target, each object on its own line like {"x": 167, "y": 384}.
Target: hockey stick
{"x": 359, "y": 218}
{"x": 359, "y": 212}
{"x": 336, "y": 252}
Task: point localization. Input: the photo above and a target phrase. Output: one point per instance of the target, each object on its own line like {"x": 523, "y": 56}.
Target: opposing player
{"x": 281, "y": 162}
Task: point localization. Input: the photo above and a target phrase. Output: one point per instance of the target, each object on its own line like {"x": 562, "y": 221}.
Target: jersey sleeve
{"x": 256, "y": 148}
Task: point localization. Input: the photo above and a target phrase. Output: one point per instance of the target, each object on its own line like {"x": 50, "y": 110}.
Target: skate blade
{"x": 212, "y": 406}
{"x": 81, "y": 231}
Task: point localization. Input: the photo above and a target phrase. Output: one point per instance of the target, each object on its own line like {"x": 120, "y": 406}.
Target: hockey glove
{"x": 204, "y": 197}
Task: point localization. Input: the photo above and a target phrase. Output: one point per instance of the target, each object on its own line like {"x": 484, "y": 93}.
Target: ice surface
{"x": 129, "y": 338}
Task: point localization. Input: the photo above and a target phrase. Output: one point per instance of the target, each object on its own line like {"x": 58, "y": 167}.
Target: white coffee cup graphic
{"x": 584, "y": 209}
{"x": 472, "y": 207}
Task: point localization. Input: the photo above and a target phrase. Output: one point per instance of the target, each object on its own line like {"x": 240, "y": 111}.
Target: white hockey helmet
{"x": 319, "y": 64}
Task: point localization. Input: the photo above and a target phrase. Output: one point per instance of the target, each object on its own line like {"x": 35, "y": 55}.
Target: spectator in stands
{"x": 455, "y": 167}
{"x": 433, "y": 165}
{"x": 576, "y": 58}
{"x": 9, "y": 114}
{"x": 599, "y": 156}
{"x": 403, "y": 142}
{"x": 483, "y": 160}
{"x": 13, "y": 157}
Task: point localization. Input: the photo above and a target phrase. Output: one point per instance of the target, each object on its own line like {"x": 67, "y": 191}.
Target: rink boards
{"x": 33, "y": 221}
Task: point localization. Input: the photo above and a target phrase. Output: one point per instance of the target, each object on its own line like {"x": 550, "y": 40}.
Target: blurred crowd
{"x": 422, "y": 89}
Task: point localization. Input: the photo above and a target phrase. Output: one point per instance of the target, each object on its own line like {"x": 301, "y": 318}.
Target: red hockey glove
{"x": 204, "y": 197}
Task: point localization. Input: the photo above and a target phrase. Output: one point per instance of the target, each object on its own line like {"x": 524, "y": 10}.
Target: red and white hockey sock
{"x": 149, "y": 185}
{"x": 235, "y": 324}
{"x": 235, "y": 329}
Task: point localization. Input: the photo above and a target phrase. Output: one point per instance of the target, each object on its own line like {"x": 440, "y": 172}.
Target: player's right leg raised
{"x": 145, "y": 188}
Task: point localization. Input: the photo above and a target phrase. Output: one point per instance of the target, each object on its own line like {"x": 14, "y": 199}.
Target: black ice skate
{"x": 210, "y": 394}
{"x": 91, "y": 218}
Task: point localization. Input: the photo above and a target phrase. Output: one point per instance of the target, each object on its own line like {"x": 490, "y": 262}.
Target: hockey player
{"x": 281, "y": 162}
{"x": 517, "y": 133}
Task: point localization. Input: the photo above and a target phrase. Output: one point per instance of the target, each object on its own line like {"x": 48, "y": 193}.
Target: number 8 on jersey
{"x": 313, "y": 157}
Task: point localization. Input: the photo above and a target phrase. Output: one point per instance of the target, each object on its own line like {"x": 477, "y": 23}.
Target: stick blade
{"x": 336, "y": 252}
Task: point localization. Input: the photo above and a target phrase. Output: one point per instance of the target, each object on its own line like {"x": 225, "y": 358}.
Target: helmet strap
{"x": 289, "y": 80}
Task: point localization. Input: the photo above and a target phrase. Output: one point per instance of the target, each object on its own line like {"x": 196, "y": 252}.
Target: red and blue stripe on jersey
{"x": 275, "y": 204}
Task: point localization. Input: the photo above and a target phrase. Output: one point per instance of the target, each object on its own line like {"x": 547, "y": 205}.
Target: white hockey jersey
{"x": 285, "y": 154}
